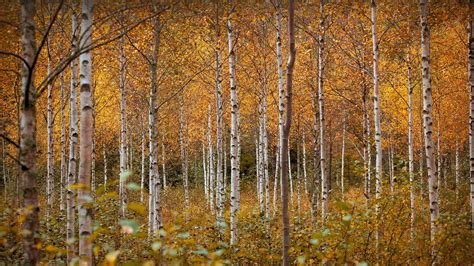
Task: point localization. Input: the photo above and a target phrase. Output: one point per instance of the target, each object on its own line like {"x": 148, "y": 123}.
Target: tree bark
{"x": 343, "y": 150}
{"x": 123, "y": 127}
{"x": 286, "y": 131}
{"x": 410, "y": 152}
{"x": 142, "y": 168}
{"x": 183, "y": 150}
{"x": 324, "y": 181}
{"x": 428, "y": 124}
{"x": 63, "y": 168}
{"x": 214, "y": 191}
{"x": 27, "y": 156}
{"x": 154, "y": 201}
{"x": 234, "y": 136}
{"x": 471, "y": 109}
{"x": 73, "y": 142}
{"x": 84, "y": 199}
{"x": 377, "y": 129}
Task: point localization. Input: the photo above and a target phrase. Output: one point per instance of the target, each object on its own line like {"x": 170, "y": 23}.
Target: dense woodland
{"x": 236, "y": 132}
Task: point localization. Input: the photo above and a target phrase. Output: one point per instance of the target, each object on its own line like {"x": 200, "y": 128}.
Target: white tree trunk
{"x": 281, "y": 90}
{"x": 438, "y": 149}
{"x": 471, "y": 110}
{"x": 275, "y": 180}
{"x": 84, "y": 199}
{"x": 142, "y": 168}
{"x": 410, "y": 152}
{"x": 63, "y": 168}
{"x": 343, "y": 152}
{"x": 234, "y": 138}
{"x": 183, "y": 150}
{"x": 73, "y": 142}
{"x": 324, "y": 181}
{"x": 204, "y": 174}
{"x": 123, "y": 129}
{"x": 377, "y": 129}
{"x": 290, "y": 176}
{"x": 305, "y": 175}
{"x": 154, "y": 188}
{"x": 428, "y": 124}
{"x": 214, "y": 195}
{"x": 105, "y": 168}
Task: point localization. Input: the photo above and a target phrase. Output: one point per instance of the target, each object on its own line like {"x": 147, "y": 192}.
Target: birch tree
{"x": 321, "y": 62}
{"x": 183, "y": 151}
{"x": 377, "y": 129}
{"x": 410, "y": 150}
{"x": 343, "y": 150}
{"x": 63, "y": 169}
{"x": 50, "y": 139}
{"x": 471, "y": 108}
{"x": 213, "y": 189}
{"x": 86, "y": 127}
{"x": 73, "y": 142}
{"x": 154, "y": 186}
{"x": 234, "y": 132}
{"x": 281, "y": 89}
{"x": 142, "y": 168}
{"x": 123, "y": 126}
{"x": 428, "y": 124}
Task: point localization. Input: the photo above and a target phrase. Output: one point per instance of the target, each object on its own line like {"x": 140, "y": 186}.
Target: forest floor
{"x": 193, "y": 237}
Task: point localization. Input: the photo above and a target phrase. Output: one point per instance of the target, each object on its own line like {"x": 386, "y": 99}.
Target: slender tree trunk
{"x": 286, "y": 131}
{"x": 142, "y": 168}
{"x": 377, "y": 129}
{"x": 316, "y": 184}
{"x": 343, "y": 150}
{"x": 438, "y": 149}
{"x": 123, "y": 129}
{"x": 63, "y": 168}
{"x": 204, "y": 174}
{"x": 298, "y": 173}
{"x": 260, "y": 172}
{"x": 305, "y": 175}
{"x": 410, "y": 152}
{"x": 105, "y": 168}
{"x": 281, "y": 90}
{"x": 183, "y": 148}
{"x": 154, "y": 196}
{"x": 234, "y": 138}
{"x": 214, "y": 193}
{"x": 27, "y": 156}
{"x": 220, "y": 174}
{"x": 275, "y": 180}
{"x": 428, "y": 124}
{"x": 324, "y": 181}
{"x": 471, "y": 110}
{"x": 290, "y": 176}
{"x": 73, "y": 142}
{"x": 84, "y": 199}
